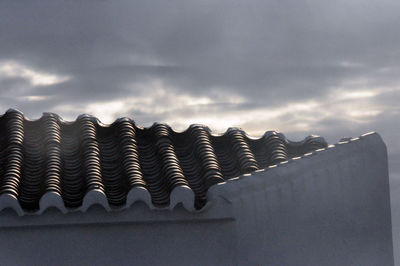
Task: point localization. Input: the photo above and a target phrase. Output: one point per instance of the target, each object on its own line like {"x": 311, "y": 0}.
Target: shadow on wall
{"x": 395, "y": 204}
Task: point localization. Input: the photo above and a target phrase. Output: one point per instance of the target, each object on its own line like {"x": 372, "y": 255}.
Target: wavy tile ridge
{"x": 342, "y": 141}
{"x": 50, "y": 162}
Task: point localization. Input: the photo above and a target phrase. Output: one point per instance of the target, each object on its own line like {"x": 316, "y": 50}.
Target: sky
{"x": 300, "y": 67}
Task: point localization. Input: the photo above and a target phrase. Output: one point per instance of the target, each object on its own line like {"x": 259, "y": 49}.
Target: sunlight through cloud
{"x": 12, "y": 69}
{"x": 36, "y": 98}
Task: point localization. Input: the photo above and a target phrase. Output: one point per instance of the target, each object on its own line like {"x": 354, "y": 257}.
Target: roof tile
{"x": 73, "y": 165}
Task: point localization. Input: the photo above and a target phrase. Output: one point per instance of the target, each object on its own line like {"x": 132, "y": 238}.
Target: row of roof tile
{"x": 71, "y": 159}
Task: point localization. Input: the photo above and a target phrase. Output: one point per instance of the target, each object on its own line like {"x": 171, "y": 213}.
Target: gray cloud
{"x": 257, "y": 47}
{"x": 166, "y": 54}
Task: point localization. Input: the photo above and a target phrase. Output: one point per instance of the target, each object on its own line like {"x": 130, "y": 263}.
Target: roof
{"x": 280, "y": 215}
{"x": 73, "y": 165}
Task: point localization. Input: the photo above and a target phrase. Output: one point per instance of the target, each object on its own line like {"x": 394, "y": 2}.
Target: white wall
{"x": 329, "y": 208}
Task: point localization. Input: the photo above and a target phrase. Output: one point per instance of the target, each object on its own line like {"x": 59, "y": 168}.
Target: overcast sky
{"x": 300, "y": 67}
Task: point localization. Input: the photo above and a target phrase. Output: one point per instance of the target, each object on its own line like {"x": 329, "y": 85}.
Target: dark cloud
{"x": 254, "y": 49}
{"x": 267, "y": 53}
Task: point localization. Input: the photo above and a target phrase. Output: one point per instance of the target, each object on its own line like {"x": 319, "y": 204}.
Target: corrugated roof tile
{"x": 72, "y": 165}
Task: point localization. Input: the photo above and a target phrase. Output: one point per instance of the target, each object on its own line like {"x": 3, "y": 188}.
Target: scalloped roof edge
{"x": 179, "y": 196}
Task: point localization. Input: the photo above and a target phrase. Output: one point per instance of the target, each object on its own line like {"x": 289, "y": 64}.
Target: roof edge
{"x": 180, "y": 195}
{"x": 238, "y": 184}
